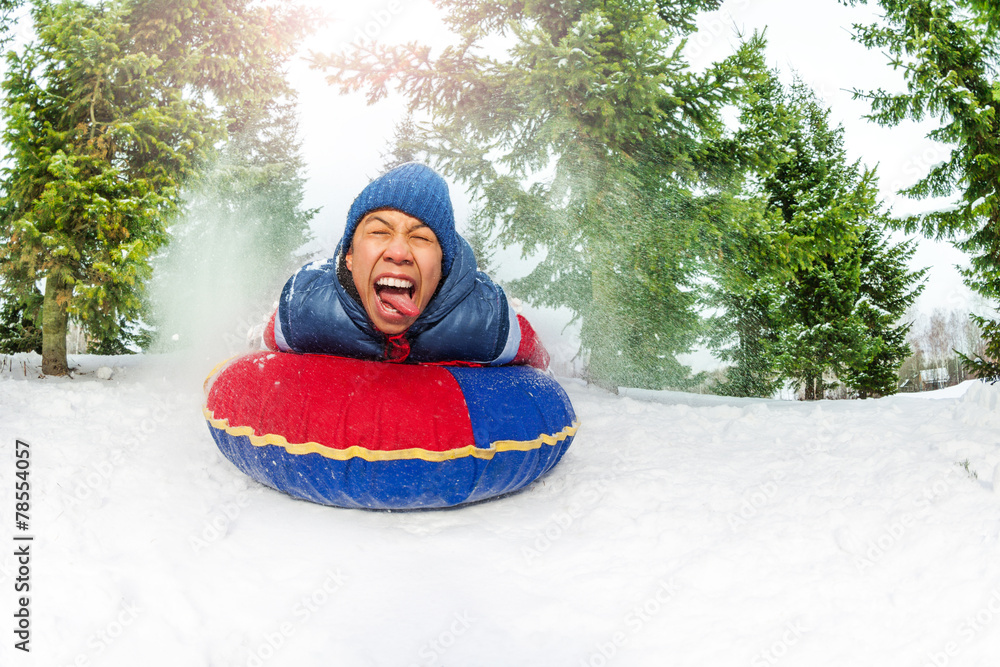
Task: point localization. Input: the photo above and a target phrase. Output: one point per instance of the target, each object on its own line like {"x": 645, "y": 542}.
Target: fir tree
{"x": 744, "y": 334}
{"x": 109, "y": 111}
{"x": 404, "y": 145}
{"x": 592, "y": 143}
{"x": 840, "y": 312}
{"x": 948, "y": 51}
{"x": 818, "y": 292}
{"x": 483, "y": 246}
{"x": 886, "y": 291}
{"x": 757, "y": 257}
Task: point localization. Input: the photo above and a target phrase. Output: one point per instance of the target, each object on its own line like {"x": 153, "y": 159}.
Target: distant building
{"x": 934, "y": 378}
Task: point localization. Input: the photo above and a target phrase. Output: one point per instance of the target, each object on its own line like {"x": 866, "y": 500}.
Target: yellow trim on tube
{"x": 211, "y": 375}
{"x": 390, "y": 455}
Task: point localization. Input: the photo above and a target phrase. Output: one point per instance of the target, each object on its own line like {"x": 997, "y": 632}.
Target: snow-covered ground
{"x": 678, "y": 530}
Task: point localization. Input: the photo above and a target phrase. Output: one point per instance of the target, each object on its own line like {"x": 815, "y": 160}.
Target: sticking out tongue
{"x": 399, "y": 298}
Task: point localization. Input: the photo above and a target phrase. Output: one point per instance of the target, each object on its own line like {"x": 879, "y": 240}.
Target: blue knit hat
{"x": 416, "y": 190}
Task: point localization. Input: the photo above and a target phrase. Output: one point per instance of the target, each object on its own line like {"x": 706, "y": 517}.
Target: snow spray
{"x": 216, "y": 283}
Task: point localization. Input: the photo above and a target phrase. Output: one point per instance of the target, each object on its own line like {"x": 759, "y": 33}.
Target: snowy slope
{"x": 678, "y": 530}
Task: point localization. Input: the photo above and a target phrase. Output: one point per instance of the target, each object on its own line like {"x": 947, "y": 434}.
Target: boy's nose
{"x": 398, "y": 250}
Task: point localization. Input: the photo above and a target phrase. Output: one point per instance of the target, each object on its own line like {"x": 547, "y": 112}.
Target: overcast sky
{"x": 344, "y": 139}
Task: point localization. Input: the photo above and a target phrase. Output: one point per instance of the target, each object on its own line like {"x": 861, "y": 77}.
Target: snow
{"x": 679, "y": 529}
{"x": 955, "y": 391}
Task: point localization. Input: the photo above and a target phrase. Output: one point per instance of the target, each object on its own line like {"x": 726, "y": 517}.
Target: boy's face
{"x": 395, "y": 261}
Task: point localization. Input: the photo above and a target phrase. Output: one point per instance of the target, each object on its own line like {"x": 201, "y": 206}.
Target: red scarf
{"x": 397, "y": 348}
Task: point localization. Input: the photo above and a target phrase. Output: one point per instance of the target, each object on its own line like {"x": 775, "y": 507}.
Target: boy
{"x": 402, "y": 286}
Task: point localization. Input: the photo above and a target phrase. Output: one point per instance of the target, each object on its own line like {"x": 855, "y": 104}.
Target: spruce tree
{"x": 948, "y": 52}
{"x": 841, "y": 312}
{"x": 591, "y": 143}
{"x": 109, "y": 111}
{"x": 757, "y": 257}
{"x": 404, "y": 145}
{"x": 886, "y": 291}
{"x": 819, "y": 290}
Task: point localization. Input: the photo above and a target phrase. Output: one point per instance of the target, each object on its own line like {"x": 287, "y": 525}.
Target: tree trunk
{"x": 54, "y": 321}
{"x": 810, "y": 389}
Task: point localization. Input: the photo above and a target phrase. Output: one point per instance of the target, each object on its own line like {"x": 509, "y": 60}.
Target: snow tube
{"x": 369, "y": 434}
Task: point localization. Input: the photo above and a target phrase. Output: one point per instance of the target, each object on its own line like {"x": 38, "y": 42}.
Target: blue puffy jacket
{"x": 467, "y": 320}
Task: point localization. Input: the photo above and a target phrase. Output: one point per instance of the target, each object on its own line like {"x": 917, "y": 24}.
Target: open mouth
{"x": 396, "y": 295}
